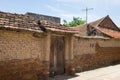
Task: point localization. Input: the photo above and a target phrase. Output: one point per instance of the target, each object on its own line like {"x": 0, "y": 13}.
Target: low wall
{"x": 99, "y": 53}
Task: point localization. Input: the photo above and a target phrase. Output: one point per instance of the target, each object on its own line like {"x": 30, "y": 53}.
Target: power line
{"x": 86, "y": 10}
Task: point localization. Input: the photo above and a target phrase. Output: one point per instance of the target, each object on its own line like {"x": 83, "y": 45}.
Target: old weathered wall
{"x": 69, "y": 57}
{"x": 44, "y": 17}
{"x": 23, "y": 55}
{"x": 94, "y": 53}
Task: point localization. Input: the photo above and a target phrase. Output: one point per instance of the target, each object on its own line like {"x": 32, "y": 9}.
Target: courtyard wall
{"x": 24, "y": 55}
{"x": 91, "y": 53}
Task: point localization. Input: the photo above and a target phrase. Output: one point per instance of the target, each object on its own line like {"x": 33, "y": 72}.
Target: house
{"x": 35, "y": 50}
{"x": 96, "y": 44}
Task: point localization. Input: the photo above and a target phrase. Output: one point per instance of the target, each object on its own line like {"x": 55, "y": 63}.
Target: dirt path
{"x": 106, "y": 73}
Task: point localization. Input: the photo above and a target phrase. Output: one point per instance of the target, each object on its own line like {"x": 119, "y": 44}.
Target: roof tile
{"x": 112, "y": 33}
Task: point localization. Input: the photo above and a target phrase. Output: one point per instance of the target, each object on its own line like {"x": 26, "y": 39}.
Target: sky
{"x": 65, "y": 9}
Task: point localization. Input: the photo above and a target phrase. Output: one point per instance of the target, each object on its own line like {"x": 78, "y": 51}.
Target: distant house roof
{"x": 105, "y": 25}
{"x": 97, "y": 22}
{"x": 105, "y": 22}
{"x": 43, "y": 17}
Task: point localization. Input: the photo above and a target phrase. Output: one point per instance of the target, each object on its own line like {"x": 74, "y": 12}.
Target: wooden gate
{"x": 57, "y": 55}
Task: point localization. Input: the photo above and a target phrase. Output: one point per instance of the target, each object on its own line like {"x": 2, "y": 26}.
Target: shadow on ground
{"x": 62, "y": 77}
{"x": 67, "y": 77}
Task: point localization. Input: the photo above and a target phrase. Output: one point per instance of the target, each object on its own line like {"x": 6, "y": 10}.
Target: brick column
{"x": 69, "y": 58}
{"x": 46, "y": 58}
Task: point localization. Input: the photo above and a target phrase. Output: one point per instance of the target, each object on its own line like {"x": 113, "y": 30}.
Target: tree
{"x": 75, "y": 22}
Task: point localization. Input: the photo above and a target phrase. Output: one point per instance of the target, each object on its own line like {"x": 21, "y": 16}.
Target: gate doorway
{"x": 57, "y": 58}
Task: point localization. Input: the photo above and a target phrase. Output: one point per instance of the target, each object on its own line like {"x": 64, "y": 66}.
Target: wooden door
{"x": 57, "y": 55}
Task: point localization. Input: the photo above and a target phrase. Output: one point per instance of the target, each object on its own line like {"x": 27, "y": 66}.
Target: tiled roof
{"x": 2, "y": 27}
{"x": 105, "y": 22}
{"x": 57, "y": 27}
{"x": 97, "y": 22}
{"x": 27, "y": 22}
{"x": 82, "y": 29}
{"x": 111, "y": 33}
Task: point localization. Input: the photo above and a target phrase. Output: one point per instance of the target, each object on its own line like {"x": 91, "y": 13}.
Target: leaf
{"x": 75, "y": 22}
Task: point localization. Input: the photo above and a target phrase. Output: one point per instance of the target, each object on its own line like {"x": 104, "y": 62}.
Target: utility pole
{"x": 86, "y": 10}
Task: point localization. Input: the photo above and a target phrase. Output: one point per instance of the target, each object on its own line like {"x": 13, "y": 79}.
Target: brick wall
{"x": 23, "y": 56}
{"x": 94, "y": 53}
{"x": 84, "y": 46}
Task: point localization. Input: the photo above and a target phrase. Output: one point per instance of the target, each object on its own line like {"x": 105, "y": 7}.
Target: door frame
{"x": 55, "y": 62}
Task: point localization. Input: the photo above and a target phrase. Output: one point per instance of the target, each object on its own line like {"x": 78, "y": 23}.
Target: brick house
{"x": 31, "y": 50}
{"x": 96, "y": 44}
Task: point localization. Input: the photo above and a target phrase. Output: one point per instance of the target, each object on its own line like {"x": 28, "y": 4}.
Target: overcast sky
{"x": 65, "y": 9}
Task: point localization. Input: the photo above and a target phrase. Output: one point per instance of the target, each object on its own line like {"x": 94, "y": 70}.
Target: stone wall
{"x": 94, "y": 53}
{"x": 23, "y": 55}
{"x": 44, "y": 17}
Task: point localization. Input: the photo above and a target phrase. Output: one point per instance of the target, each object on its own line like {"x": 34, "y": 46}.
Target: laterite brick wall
{"x": 94, "y": 53}
{"x": 23, "y": 56}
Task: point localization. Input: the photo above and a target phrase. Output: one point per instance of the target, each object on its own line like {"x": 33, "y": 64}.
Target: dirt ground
{"x": 106, "y": 73}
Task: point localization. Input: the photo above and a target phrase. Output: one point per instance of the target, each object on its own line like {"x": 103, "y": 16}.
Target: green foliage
{"x": 75, "y": 22}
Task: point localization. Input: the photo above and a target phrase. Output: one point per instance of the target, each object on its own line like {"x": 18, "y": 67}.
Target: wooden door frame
{"x": 55, "y": 35}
